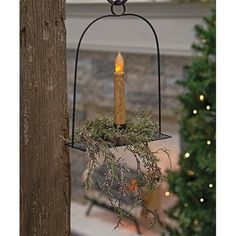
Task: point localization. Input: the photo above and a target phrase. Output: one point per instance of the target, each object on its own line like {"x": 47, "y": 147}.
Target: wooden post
{"x": 44, "y": 160}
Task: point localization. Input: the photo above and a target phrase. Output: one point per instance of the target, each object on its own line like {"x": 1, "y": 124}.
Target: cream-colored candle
{"x": 119, "y": 92}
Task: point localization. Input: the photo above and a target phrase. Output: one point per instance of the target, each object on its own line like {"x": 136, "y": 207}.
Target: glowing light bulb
{"x": 195, "y": 112}
{"x": 201, "y": 200}
{"x": 208, "y": 107}
{"x": 167, "y": 194}
{"x": 196, "y": 221}
{"x": 201, "y": 97}
{"x": 190, "y": 173}
{"x": 186, "y": 155}
{"x": 119, "y": 64}
{"x": 210, "y": 185}
{"x": 208, "y": 142}
{"x": 185, "y": 204}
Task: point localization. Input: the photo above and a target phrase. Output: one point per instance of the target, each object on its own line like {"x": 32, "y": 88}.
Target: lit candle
{"x": 119, "y": 93}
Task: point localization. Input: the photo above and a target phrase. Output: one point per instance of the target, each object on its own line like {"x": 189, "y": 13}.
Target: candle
{"x": 119, "y": 93}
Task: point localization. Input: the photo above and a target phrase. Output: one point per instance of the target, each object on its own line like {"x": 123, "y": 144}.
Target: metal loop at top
{"x": 118, "y": 14}
{"x": 117, "y": 2}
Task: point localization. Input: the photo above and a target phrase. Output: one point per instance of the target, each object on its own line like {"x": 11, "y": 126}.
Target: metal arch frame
{"x": 117, "y": 2}
{"x": 113, "y": 15}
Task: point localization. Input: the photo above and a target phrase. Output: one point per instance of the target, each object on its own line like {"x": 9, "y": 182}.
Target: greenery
{"x": 195, "y": 182}
{"x": 101, "y": 140}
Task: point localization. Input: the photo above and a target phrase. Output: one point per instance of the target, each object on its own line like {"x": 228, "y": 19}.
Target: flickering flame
{"x": 119, "y": 64}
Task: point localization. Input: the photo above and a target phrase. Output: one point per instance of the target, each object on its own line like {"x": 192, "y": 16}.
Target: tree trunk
{"x": 44, "y": 160}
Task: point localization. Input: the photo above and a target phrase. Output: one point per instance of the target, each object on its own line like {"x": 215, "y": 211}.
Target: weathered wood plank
{"x": 44, "y": 160}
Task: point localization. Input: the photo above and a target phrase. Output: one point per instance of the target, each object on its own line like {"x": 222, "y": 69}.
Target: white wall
{"x": 173, "y": 22}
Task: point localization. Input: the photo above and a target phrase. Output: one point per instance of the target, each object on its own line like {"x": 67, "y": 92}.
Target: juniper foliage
{"x": 101, "y": 140}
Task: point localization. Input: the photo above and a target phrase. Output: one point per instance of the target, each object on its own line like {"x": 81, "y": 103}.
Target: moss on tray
{"x": 100, "y": 135}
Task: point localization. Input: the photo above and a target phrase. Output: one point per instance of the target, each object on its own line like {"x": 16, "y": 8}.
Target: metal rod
{"x": 117, "y": 2}
{"x": 75, "y": 75}
{"x": 77, "y": 57}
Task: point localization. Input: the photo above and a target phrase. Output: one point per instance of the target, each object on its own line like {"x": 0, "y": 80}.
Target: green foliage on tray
{"x": 101, "y": 139}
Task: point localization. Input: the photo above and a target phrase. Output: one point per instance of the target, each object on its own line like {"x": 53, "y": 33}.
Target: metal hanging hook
{"x": 117, "y": 2}
{"x": 118, "y": 14}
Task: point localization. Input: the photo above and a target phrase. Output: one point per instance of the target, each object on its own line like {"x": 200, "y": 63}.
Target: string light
{"x": 201, "y": 97}
{"x": 210, "y": 185}
{"x": 190, "y": 172}
{"x": 167, "y": 194}
{"x": 196, "y": 221}
{"x": 186, "y": 155}
{"x": 195, "y": 112}
{"x": 208, "y": 142}
{"x": 204, "y": 40}
{"x": 208, "y": 107}
{"x": 201, "y": 200}
{"x": 185, "y": 204}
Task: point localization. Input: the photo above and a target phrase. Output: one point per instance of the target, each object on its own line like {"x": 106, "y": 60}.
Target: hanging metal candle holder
{"x": 114, "y": 14}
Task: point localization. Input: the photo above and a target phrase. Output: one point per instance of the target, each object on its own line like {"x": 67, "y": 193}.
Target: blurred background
{"x": 174, "y": 23}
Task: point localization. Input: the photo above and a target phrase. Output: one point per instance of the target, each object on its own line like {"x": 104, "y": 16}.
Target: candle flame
{"x": 119, "y": 64}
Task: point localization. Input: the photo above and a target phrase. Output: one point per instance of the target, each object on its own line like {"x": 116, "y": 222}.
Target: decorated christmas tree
{"x": 195, "y": 182}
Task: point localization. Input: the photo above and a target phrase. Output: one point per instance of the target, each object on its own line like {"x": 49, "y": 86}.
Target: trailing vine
{"x": 101, "y": 140}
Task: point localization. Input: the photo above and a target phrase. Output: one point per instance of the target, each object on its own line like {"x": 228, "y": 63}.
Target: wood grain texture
{"x": 44, "y": 160}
